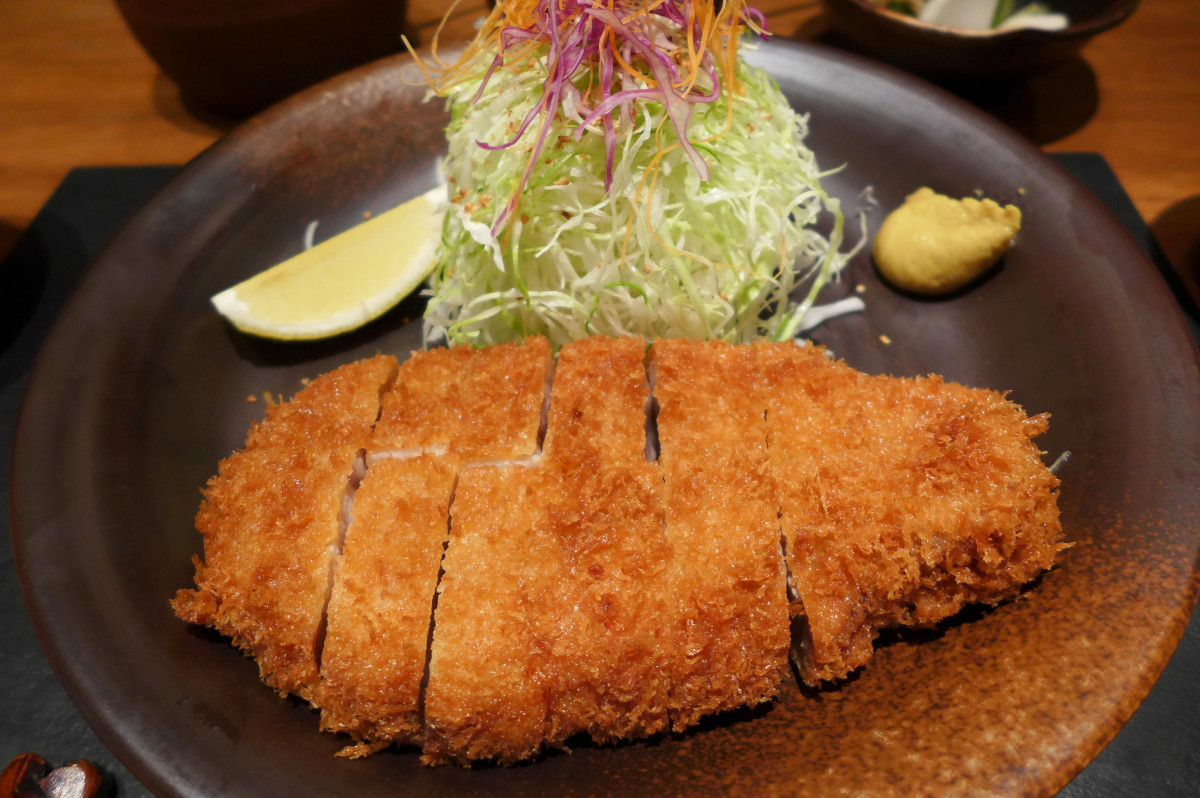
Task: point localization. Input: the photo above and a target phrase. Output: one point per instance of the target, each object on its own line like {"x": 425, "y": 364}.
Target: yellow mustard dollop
{"x": 934, "y": 244}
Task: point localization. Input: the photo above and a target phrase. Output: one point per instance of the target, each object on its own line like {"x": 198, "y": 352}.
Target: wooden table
{"x": 77, "y": 90}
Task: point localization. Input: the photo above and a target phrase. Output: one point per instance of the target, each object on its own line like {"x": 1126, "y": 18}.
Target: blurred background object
{"x": 955, "y": 54}
{"x": 236, "y": 57}
{"x": 1177, "y": 230}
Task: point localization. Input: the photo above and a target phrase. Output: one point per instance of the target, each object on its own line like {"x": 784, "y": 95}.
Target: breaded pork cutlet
{"x": 448, "y": 408}
{"x": 473, "y": 404}
{"x": 584, "y": 590}
{"x": 375, "y": 650}
{"x": 554, "y": 613}
{"x": 902, "y": 500}
{"x": 722, "y": 517}
{"x": 272, "y": 521}
{"x": 485, "y": 698}
{"x": 610, "y": 627}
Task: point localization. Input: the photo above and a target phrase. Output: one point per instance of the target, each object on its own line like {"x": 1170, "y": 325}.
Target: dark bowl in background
{"x": 940, "y": 52}
{"x": 236, "y": 57}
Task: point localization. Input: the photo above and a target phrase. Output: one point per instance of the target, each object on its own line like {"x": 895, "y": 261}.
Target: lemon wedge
{"x": 343, "y": 282}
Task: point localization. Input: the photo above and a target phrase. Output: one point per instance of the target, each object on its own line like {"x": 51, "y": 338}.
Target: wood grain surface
{"x": 76, "y": 89}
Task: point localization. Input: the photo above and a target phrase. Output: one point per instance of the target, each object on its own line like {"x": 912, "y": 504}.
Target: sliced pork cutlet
{"x": 485, "y": 698}
{"x": 599, "y": 402}
{"x": 375, "y": 649}
{"x": 902, "y": 500}
{"x": 273, "y": 520}
{"x": 608, "y": 627}
{"x": 448, "y": 408}
{"x": 554, "y": 601}
{"x": 474, "y": 404}
{"x": 722, "y": 518}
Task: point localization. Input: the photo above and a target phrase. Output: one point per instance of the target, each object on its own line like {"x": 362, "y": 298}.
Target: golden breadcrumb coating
{"x": 374, "y": 654}
{"x": 272, "y": 524}
{"x": 599, "y": 400}
{"x": 566, "y": 564}
{"x": 464, "y": 406}
{"x": 485, "y": 699}
{"x": 608, "y": 630}
{"x": 902, "y": 500}
{"x": 722, "y": 518}
{"x": 582, "y": 589}
{"x": 474, "y": 404}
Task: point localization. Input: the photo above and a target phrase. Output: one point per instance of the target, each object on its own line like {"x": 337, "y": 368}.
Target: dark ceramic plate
{"x": 141, "y": 389}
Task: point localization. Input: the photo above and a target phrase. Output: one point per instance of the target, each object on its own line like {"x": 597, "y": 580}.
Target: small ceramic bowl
{"x": 236, "y": 57}
{"x": 941, "y": 52}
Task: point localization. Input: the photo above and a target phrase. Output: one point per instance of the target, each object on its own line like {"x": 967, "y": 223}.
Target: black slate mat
{"x": 1157, "y": 753}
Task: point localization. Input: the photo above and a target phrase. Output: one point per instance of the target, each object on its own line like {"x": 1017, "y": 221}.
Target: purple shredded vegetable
{"x": 577, "y": 33}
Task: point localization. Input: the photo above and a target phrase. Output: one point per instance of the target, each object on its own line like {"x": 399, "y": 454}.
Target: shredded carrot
{"x": 710, "y": 36}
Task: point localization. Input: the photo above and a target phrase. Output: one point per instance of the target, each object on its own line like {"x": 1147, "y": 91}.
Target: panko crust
{"x": 598, "y": 402}
{"x": 448, "y": 409}
{"x": 565, "y": 567}
{"x": 373, "y": 660}
{"x": 271, "y": 521}
{"x": 609, "y": 627}
{"x": 902, "y": 500}
{"x": 722, "y": 517}
{"x": 485, "y": 698}
{"x": 472, "y": 404}
{"x": 582, "y": 589}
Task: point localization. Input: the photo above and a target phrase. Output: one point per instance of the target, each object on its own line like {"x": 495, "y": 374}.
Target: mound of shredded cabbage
{"x": 652, "y": 249}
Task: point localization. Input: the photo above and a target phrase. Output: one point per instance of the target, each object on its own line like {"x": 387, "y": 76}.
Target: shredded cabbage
{"x": 651, "y": 250}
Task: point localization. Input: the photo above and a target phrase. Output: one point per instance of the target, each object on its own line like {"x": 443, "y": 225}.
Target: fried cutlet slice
{"x": 485, "y": 698}
{"x": 473, "y": 404}
{"x": 608, "y": 629}
{"x": 599, "y": 402}
{"x": 555, "y": 607}
{"x": 902, "y": 500}
{"x": 722, "y": 517}
{"x": 460, "y": 406}
{"x": 375, "y": 649}
{"x": 272, "y": 521}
